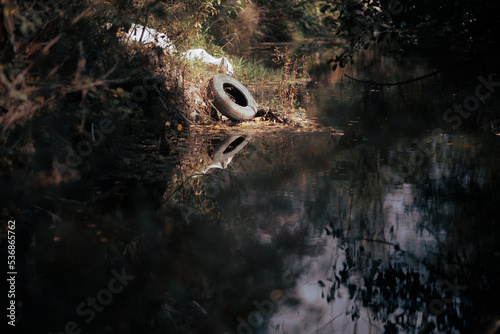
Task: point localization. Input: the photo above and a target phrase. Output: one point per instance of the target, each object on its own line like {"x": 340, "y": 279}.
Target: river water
{"x": 390, "y": 228}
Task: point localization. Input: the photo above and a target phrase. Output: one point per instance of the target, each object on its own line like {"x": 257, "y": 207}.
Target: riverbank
{"x": 152, "y": 97}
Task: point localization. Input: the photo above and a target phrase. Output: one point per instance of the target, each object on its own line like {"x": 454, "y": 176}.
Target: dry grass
{"x": 237, "y": 34}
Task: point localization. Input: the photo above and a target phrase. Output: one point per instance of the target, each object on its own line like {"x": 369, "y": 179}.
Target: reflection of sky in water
{"x": 314, "y": 313}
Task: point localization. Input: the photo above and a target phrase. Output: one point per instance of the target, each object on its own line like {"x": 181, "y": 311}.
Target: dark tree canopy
{"x": 462, "y": 28}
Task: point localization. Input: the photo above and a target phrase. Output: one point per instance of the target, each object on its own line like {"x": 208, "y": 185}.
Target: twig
{"x": 398, "y": 83}
{"x": 329, "y": 322}
{"x": 394, "y": 83}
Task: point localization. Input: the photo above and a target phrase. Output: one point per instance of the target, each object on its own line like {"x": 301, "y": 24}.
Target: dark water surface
{"x": 393, "y": 227}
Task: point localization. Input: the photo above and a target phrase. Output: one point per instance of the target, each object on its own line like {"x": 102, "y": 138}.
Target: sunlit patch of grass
{"x": 252, "y": 71}
{"x": 277, "y": 87}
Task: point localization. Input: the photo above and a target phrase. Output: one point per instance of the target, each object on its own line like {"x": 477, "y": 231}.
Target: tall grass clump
{"x": 276, "y": 87}
{"x": 294, "y": 74}
{"x": 236, "y": 27}
{"x": 253, "y": 71}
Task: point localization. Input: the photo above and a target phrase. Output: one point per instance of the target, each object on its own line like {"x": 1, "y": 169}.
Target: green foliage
{"x": 236, "y": 26}
{"x": 467, "y": 27}
{"x": 281, "y": 19}
{"x": 63, "y": 54}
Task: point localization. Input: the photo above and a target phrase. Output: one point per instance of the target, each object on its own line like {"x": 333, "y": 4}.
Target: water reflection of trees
{"x": 187, "y": 268}
{"x": 392, "y": 210}
{"x": 382, "y": 229}
{"x": 384, "y": 109}
{"x": 441, "y": 196}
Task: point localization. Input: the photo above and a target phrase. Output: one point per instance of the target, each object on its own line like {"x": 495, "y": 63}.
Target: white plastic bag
{"x": 149, "y": 35}
{"x": 205, "y": 57}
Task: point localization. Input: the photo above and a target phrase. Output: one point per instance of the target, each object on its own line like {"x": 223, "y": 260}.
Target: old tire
{"x": 232, "y": 99}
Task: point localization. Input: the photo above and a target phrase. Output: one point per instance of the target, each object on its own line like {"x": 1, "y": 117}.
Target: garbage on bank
{"x": 145, "y": 35}
{"x": 205, "y": 57}
{"x": 141, "y": 34}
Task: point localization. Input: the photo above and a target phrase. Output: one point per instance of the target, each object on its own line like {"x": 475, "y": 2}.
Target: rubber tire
{"x": 243, "y": 109}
